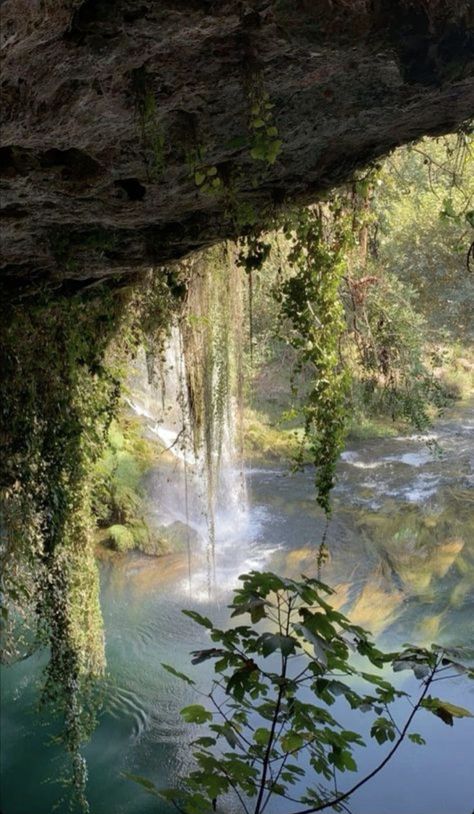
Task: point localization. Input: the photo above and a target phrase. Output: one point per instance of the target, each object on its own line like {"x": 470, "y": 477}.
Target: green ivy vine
{"x": 57, "y": 397}
{"x": 265, "y": 144}
{"x": 312, "y": 323}
{"x": 62, "y": 360}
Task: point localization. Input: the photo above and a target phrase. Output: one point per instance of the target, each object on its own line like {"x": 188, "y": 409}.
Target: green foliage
{"x": 313, "y": 325}
{"x": 408, "y": 279}
{"x": 206, "y": 178}
{"x": 121, "y": 536}
{"x": 118, "y": 496}
{"x": 384, "y": 346}
{"x": 265, "y": 144}
{"x": 445, "y": 710}
{"x": 196, "y": 714}
{"x": 57, "y": 398}
{"x": 424, "y": 207}
{"x": 151, "y": 131}
{"x": 268, "y": 710}
{"x": 400, "y": 235}
{"x": 59, "y": 393}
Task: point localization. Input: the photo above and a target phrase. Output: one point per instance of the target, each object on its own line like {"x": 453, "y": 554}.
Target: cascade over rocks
{"x": 135, "y": 132}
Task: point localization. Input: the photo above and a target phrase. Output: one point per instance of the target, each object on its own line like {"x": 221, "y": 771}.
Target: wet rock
{"x": 113, "y": 112}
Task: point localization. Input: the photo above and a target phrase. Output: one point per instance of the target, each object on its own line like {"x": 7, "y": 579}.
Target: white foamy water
{"x": 201, "y": 500}
{"x": 423, "y": 488}
{"x": 419, "y": 458}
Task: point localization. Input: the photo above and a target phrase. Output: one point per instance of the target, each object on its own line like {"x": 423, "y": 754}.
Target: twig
{"x": 167, "y": 449}
{"x": 281, "y": 691}
{"x": 388, "y": 756}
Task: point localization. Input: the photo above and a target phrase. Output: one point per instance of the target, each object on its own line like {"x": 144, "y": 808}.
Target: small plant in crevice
{"x": 270, "y": 734}
{"x": 153, "y": 137}
{"x": 205, "y": 176}
{"x": 265, "y": 145}
{"x": 151, "y": 130}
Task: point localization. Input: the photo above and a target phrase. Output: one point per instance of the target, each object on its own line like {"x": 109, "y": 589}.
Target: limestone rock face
{"x": 136, "y": 131}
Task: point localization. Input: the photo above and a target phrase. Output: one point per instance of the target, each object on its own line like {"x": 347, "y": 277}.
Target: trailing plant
{"x": 62, "y": 364}
{"x": 57, "y": 400}
{"x": 253, "y": 253}
{"x": 151, "y": 130}
{"x": 205, "y": 175}
{"x": 265, "y": 144}
{"x": 153, "y": 136}
{"x": 267, "y": 718}
{"x": 210, "y": 326}
{"x": 312, "y": 323}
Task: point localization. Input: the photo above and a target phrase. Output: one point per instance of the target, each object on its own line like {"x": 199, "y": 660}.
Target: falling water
{"x": 189, "y": 399}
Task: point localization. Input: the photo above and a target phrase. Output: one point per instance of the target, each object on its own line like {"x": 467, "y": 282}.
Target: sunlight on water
{"x": 401, "y": 558}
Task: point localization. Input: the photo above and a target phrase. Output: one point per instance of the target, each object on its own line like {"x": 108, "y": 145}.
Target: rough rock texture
{"x": 115, "y": 110}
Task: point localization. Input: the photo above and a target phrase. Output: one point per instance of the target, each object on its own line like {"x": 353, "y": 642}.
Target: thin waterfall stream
{"x": 198, "y": 496}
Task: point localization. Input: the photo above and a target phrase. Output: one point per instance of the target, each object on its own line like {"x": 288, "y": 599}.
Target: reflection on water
{"x": 401, "y": 548}
{"x": 402, "y": 540}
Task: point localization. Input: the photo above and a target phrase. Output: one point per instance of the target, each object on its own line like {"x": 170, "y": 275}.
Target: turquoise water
{"x": 402, "y": 559}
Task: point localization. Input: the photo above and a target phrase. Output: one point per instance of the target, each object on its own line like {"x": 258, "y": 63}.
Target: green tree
{"x": 267, "y": 715}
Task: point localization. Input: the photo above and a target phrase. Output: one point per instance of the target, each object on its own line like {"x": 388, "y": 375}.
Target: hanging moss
{"x": 57, "y": 399}
{"x": 310, "y": 301}
{"x": 312, "y": 322}
{"x": 119, "y": 498}
{"x": 211, "y": 330}
{"x": 62, "y": 362}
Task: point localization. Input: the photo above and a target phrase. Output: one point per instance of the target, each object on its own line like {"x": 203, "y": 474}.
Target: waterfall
{"x": 190, "y": 398}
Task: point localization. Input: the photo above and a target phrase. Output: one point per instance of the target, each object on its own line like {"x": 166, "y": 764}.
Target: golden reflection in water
{"x": 142, "y": 574}
{"x": 376, "y": 605}
{"x": 401, "y": 564}
{"x": 415, "y": 565}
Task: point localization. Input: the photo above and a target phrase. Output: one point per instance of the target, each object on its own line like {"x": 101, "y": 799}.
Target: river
{"x": 401, "y": 556}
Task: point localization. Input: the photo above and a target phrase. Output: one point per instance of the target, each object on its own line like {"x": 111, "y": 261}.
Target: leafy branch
{"x": 276, "y": 679}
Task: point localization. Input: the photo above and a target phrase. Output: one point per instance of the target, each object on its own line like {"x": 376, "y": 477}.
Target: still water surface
{"x": 402, "y": 559}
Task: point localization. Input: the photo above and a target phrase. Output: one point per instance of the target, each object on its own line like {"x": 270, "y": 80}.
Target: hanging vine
{"x": 58, "y": 397}
{"x": 211, "y": 330}
{"x": 62, "y": 361}
{"x": 312, "y": 323}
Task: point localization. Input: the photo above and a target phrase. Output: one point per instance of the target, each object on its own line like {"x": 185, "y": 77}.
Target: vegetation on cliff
{"x": 331, "y": 291}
